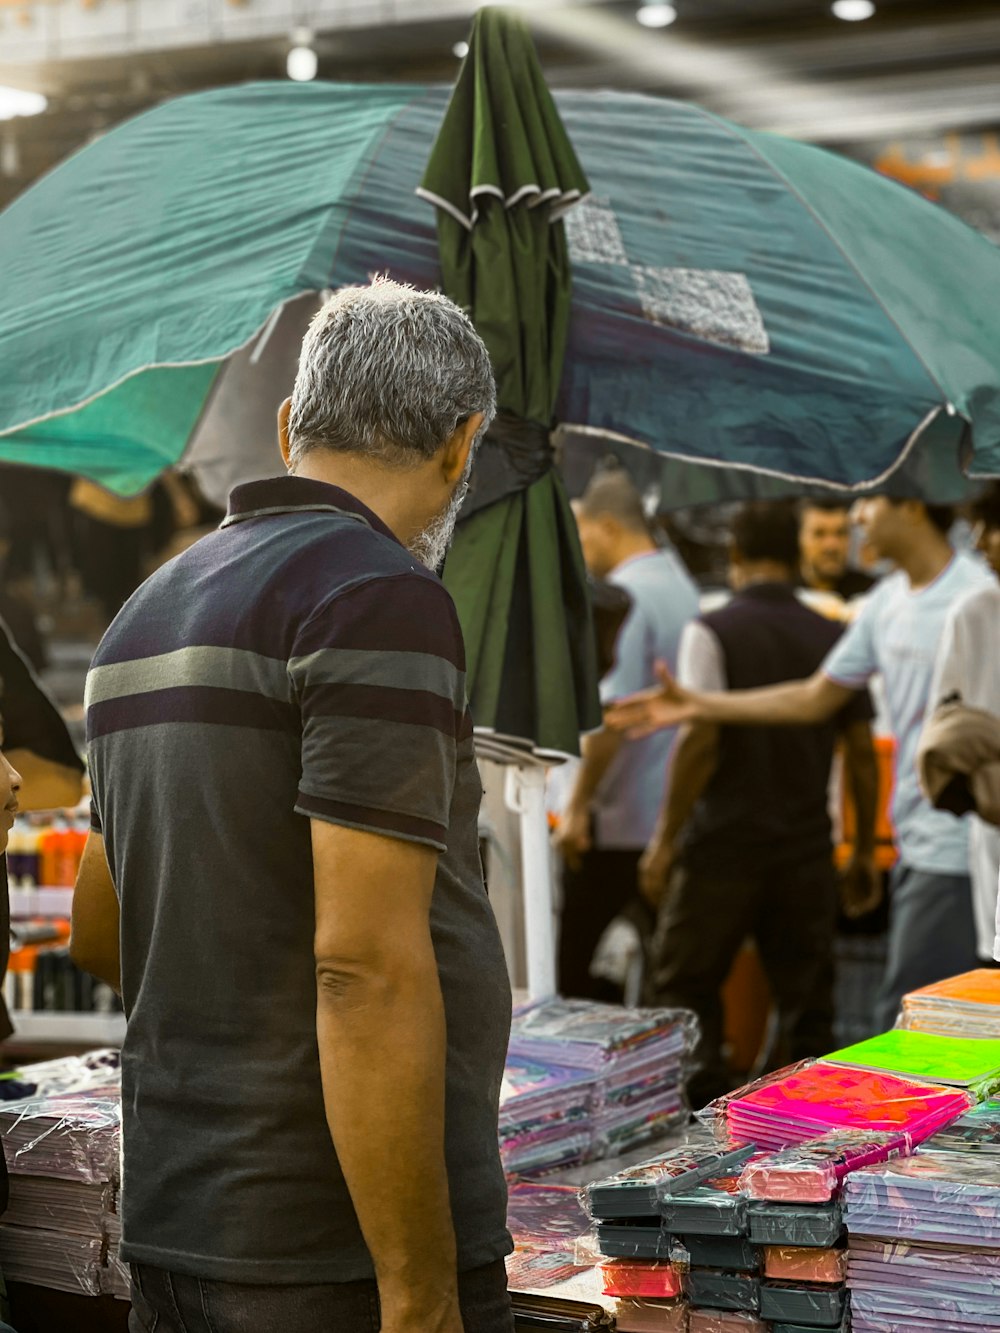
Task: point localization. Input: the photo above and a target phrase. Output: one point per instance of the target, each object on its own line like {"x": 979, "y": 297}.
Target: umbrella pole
{"x": 525, "y": 797}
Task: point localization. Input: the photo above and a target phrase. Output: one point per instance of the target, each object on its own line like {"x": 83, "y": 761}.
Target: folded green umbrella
{"x": 501, "y": 175}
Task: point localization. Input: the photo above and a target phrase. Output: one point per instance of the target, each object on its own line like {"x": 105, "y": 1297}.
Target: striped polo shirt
{"x": 297, "y": 664}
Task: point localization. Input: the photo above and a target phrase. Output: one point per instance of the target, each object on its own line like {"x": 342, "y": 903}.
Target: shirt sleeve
{"x": 853, "y": 661}
{"x": 31, "y": 721}
{"x": 700, "y": 661}
{"x": 634, "y": 663}
{"x": 379, "y": 677}
{"x": 949, "y": 664}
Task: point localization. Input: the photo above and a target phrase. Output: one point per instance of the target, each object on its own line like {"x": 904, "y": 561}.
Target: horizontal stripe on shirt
{"x": 215, "y": 706}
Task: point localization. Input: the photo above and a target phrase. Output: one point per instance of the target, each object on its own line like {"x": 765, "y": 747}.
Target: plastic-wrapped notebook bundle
{"x": 792, "y": 1263}
{"x": 725, "y": 1321}
{"x": 711, "y": 1289}
{"x": 811, "y": 1226}
{"x": 72, "y": 1136}
{"x": 963, "y": 1006}
{"x": 941, "y": 1198}
{"x": 115, "y": 1278}
{"x": 76, "y": 1207}
{"x": 716, "y": 1208}
{"x": 733, "y": 1254}
{"x": 636, "y": 1056}
{"x": 639, "y": 1279}
{"x": 798, "y": 1303}
{"x": 51, "y": 1259}
{"x": 639, "y": 1316}
{"x": 632, "y": 1240}
{"x": 978, "y": 1131}
{"x": 585, "y": 1035}
{"x": 545, "y": 1116}
{"x": 806, "y": 1101}
{"x": 812, "y": 1172}
{"x": 557, "y": 1315}
{"x": 544, "y": 1216}
{"x": 972, "y": 1063}
{"x": 636, "y": 1191}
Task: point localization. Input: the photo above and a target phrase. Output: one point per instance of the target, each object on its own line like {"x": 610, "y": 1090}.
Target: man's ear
{"x": 455, "y": 454}
{"x": 284, "y": 412}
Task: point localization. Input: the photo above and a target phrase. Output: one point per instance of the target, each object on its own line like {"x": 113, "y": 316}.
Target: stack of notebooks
{"x": 925, "y": 1233}
{"x": 635, "y": 1060}
{"x": 806, "y": 1102}
{"x": 546, "y": 1116}
{"x": 965, "y": 1006}
{"x": 61, "y": 1229}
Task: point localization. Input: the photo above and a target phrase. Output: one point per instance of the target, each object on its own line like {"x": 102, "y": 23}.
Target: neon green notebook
{"x": 960, "y": 1062}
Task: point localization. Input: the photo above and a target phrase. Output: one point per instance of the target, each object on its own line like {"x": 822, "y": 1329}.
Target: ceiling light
{"x": 303, "y": 64}
{"x": 460, "y": 50}
{"x": 853, "y": 11}
{"x": 656, "y": 16}
{"x": 17, "y": 102}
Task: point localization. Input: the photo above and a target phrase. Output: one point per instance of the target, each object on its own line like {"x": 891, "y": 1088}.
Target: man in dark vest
{"x": 743, "y": 846}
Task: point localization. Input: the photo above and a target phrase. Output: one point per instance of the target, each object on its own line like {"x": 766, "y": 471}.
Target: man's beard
{"x": 431, "y": 545}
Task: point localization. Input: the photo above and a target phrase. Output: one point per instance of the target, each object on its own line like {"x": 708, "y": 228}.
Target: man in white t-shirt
{"x": 968, "y": 666}
{"x": 896, "y": 635}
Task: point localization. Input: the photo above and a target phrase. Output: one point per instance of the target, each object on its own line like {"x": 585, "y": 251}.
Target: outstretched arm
{"x": 798, "y": 703}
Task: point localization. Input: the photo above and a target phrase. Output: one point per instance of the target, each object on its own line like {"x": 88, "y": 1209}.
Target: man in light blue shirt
{"x": 896, "y": 635}
{"x": 613, "y": 808}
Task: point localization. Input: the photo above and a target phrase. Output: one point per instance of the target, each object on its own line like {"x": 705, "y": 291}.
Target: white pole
{"x": 525, "y": 796}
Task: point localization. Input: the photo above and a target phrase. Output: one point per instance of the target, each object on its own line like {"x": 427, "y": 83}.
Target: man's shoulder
{"x": 981, "y": 602}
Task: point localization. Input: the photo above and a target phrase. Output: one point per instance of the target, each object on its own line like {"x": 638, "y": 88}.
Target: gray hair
{"x": 390, "y": 372}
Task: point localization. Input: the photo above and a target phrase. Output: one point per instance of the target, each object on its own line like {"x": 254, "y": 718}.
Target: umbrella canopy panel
{"x": 738, "y": 298}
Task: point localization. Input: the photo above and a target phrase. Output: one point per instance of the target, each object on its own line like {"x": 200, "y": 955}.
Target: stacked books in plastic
{"x": 62, "y": 1150}
{"x": 925, "y": 1233}
{"x": 587, "y": 1080}
{"x": 964, "y": 1006}
{"x": 806, "y": 1101}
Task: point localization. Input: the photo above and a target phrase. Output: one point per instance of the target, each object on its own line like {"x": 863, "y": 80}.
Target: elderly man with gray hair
{"x": 285, "y": 818}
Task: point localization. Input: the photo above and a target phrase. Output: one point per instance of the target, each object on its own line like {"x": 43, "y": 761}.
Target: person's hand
{"x": 655, "y": 867}
{"x": 861, "y": 887}
{"x": 665, "y": 705}
{"x": 573, "y": 838}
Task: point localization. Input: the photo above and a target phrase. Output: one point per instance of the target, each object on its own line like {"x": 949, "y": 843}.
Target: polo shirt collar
{"x": 291, "y": 495}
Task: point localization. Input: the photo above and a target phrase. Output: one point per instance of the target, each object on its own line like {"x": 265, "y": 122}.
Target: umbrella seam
{"x": 847, "y": 487}
{"x": 152, "y": 365}
{"x": 737, "y": 132}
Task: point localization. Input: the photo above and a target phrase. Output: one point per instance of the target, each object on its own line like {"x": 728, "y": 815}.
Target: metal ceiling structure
{"x": 918, "y": 68}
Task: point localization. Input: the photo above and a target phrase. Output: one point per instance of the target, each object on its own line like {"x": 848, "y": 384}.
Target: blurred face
{"x": 987, "y": 539}
{"x": 885, "y": 525}
{"x": 10, "y": 785}
{"x": 825, "y": 541}
{"x": 598, "y": 538}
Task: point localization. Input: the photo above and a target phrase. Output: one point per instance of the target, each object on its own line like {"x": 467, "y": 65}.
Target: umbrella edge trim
{"x": 157, "y": 365}
{"x": 846, "y": 487}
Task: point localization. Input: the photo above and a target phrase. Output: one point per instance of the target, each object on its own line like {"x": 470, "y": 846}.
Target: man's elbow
{"x": 348, "y": 985}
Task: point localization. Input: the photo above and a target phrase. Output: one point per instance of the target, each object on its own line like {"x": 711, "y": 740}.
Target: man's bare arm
{"x": 380, "y": 1025}
{"x": 798, "y": 703}
{"x": 597, "y": 753}
{"x": 95, "y": 944}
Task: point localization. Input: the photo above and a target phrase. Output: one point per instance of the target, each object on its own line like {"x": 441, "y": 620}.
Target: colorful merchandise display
{"x": 63, "y": 1149}
{"x": 963, "y": 1006}
{"x": 808, "y": 1100}
{"x": 812, "y": 1172}
{"x": 959, "y": 1062}
{"x": 636, "y": 1060}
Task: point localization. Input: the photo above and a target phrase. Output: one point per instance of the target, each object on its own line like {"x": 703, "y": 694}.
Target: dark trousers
{"x": 170, "y": 1303}
{"x": 791, "y": 913}
{"x": 932, "y": 934}
{"x": 606, "y": 883}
